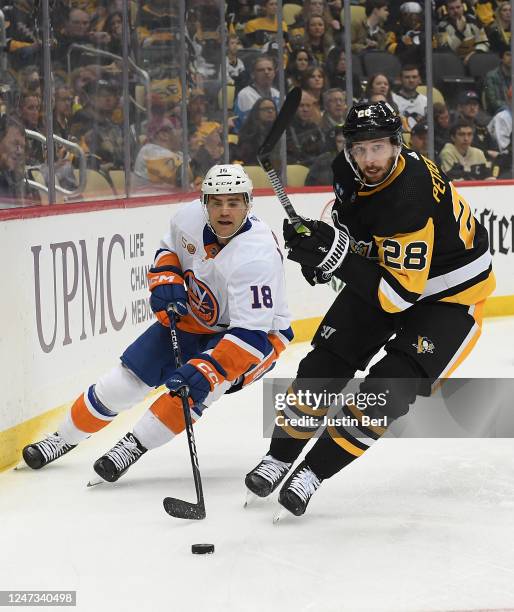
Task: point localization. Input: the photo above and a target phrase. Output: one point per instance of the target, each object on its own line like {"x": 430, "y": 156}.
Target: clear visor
{"x": 373, "y": 161}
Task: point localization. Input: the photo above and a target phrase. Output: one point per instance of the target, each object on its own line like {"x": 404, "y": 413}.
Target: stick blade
{"x": 183, "y": 509}
{"x": 284, "y": 118}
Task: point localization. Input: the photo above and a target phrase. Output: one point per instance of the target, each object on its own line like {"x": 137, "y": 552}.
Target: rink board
{"x": 81, "y": 296}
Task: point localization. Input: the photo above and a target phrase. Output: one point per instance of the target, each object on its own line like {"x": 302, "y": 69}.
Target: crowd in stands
{"x": 472, "y": 117}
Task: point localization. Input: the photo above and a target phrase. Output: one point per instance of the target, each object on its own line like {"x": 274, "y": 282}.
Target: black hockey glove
{"x": 325, "y": 248}
{"x": 315, "y": 276}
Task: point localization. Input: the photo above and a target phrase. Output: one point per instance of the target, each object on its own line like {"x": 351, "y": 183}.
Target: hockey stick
{"x": 280, "y": 125}
{"x": 173, "y": 506}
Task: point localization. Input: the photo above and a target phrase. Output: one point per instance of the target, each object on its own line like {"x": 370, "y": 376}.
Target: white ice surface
{"x": 413, "y": 525}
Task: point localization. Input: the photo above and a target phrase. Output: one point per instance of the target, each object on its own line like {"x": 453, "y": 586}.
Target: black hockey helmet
{"x": 372, "y": 120}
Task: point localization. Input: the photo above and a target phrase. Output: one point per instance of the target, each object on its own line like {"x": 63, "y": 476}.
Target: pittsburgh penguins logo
{"x": 424, "y": 345}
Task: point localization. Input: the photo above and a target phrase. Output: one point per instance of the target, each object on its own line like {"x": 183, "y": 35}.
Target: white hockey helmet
{"x": 227, "y": 178}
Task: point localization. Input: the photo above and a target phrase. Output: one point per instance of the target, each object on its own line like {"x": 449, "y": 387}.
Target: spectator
{"x": 500, "y": 127}
{"x": 406, "y": 39}
{"x": 299, "y": 61}
{"x": 468, "y": 108}
{"x": 63, "y": 100}
{"x": 62, "y": 110}
{"x": 29, "y": 80}
{"x": 254, "y": 131}
{"x": 79, "y": 78}
{"x": 197, "y": 111}
{"x": 114, "y": 28}
{"x": 498, "y": 32}
{"x": 419, "y": 138}
{"x": 459, "y": 160}
{"x": 77, "y": 31}
{"x": 23, "y": 44}
{"x": 263, "y": 29}
{"x": 441, "y": 127}
{"x": 157, "y": 21}
{"x": 380, "y": 84}
{"x": 336, "y": 72}
{"x": 12, "y": 161}
{"x": 93, "y": 126}
{"x": 210, "y": 151}
{"x": 311, "y": 8}
{"x": 369, "y": 34}
{"x": 461, "y": 33}
{"x": 305, "y": 140}
{"x": 159, "y": 161}
{"x": 334, "y": 102}
{"x": 237, "y": 74}
{"x": 263, "y": 75}
{"x": 411, "y": 104}
{"x": 313, "y": 82}
{"x": 238, "y": 12}
{"x": 318, "y": 38}
{"x": 320, "y": 172}
{"x": 497, "y": 83}
{"x": 30, "y": 115}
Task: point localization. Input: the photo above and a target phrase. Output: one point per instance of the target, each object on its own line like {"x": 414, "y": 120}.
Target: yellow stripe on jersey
{"x": 406, "y": 258}
{"x": 474, "y": 294}
{"x": 344, "y": 443}
{"x": 464, "y": 217}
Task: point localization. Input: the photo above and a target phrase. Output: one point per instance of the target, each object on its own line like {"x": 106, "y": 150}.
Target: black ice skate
{"x": 298, "y": 489}
{"x": 117, "y": 461}
{"x": 45, "y": 451}
{"x": 265, "y": 477}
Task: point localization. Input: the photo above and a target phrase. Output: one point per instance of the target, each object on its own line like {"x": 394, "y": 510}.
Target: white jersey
{"x": 238, "y": 288}
{"x": 241, "y": 285}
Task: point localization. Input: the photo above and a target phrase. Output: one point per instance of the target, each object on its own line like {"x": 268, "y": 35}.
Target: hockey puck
{"x": 202, "y": 549}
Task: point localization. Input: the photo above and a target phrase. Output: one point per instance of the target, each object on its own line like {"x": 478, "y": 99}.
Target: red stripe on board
{"x": 171, "y": 198}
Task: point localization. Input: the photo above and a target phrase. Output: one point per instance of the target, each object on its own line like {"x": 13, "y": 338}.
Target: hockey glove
{"x": 314, "y": 276}
{"x": 167, "y": 288}
{"x": 325, "y": 248}
{"x": 199, "y": 375}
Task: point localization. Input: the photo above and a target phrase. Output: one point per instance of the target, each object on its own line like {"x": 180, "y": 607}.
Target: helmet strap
{"x": 205, "y": 199}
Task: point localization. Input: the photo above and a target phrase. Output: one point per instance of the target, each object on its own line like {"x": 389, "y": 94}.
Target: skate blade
{"x": 252, "y": 499}
{"x": 95, "y": 481}
{"x": 20, "y": 466}
{"x": 280, "y": 515}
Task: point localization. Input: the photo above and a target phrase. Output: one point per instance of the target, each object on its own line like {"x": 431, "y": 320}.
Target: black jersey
{"x": 413, "y": 237}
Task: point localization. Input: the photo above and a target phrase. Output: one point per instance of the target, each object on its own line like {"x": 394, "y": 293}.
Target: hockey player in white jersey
{"x": 221, "y": 269}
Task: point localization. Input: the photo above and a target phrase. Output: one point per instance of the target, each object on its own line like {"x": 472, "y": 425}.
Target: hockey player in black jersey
{"x": 417, "y": 270}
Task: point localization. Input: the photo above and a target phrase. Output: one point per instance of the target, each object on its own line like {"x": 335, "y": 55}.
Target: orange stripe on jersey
{"x": 167, "y": 259}
{"x": 83, "y": 419}
{"x": 168, "y": 410}
{"x": 278, "y": 347}
{"x": 163, "y": 278}
{"x": 258, "y": 371}
{"x": 277, "y": 344}
{"x": 188, "y": 323}
{"x": 212, "y": 249}
{"x": 234, "y": 359}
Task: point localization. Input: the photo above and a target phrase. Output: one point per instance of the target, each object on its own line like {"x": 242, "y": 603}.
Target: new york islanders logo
{"x": 424, "y": 345}
{"x": 201, "y": 300}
